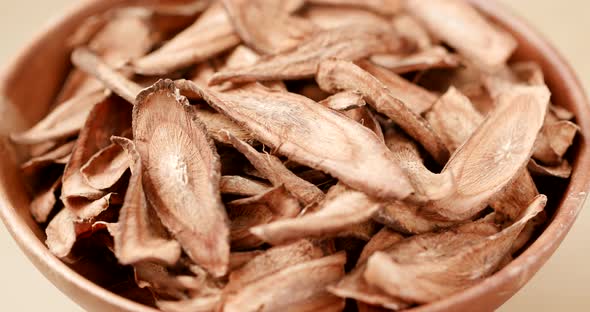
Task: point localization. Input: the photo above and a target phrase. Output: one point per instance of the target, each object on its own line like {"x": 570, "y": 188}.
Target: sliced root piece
{"x": 105, "y": 167}
{"x": 337, "y": 75}
{"x": 198, "y": 304}
{"x": 385, "y": 7}
{"x": 563, "y": 170}
{"x": 52, "y": 157}
{"x": 408, "y": 218}
{"x": 435, "y": 57}
{"x": 238, "y": 259}
{"x": 410, "y": 28}
{"x": 237, "y": 185}
{"x": 181, "y": 172}
{"x": 344, "y": 101}
{"x": 330, "y": 17}
{"x": 44, "y": 202}
{"x": 554, "y": 141}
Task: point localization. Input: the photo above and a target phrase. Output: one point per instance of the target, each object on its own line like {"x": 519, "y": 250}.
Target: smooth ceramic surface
{"x": 29, "y": 83}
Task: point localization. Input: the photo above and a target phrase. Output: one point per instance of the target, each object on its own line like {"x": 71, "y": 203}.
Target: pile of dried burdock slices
{"x": 261, "y": 155}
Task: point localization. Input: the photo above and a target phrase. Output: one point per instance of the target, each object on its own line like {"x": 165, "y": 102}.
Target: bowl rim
{"x": 518, "y": 270}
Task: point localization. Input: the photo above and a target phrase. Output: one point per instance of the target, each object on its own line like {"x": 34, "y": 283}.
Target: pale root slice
{"x": 218, "y": 125}
{"x": 416, "y": 98}
{"x": 181, "y": 172}
{"x": 206, "y": 303}
{"x": 432, "y": 58}
{"x": 428, "y": 185}
{"x": 365, "y": 117}
{"x": 554, "y": 141}
{"x": 275, "y": 204}
{"x": 272, "y": 261}
{"x": 63, "y": 231}
{"x": 348, "y": 43}
{"x": 322, "y": 140}
{"x": 51, "y": 157}
{"x": 506, "y": 149}
{"x": 384, "y": 7}
{"x": 342, "y": 209}
{"x": 338, "y": 75}
{"x": 64, "y": 121}
{"x": 470, "y": 33}
{"x": 238, "y": 259}
{"x": 563, "y": 170}
{"x": 354, "y": 286}
{"x": 237, "y": 185}
{"x": 330, "y": 17}
{"x": 210, "y": 35}
{"x": 106, "y": 167}
{"x": 110, "y": 117}
{"x": 343, "y": 101}
{"x": 292, "y": 288}
{"x": 408, "y": 218}
{"x": 138, "y": 235}
{"x": 44, "y": 202}
{"x": 429, "y": 267}
{"x": 266, "y": 26}
{"x": 410, "y": 28}
{"x": 273, "y": 169}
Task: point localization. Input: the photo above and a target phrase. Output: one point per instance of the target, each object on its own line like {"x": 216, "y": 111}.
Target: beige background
{"x": 561, "y": 285}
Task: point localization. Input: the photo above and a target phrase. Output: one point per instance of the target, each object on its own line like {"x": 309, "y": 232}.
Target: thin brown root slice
{"x": 323, "y": 140}
{"x": 365, "y": 117}
{"x": 205, "y": 303}
{"x": 506, "y": 149}
{"x": 64, "y": 121}
{"x": 408, "y": 218}
{"x": 275, "y": 171}
{"x": 304, "y": 282}
{"x": 382, "y": 240}
{"x": 428, "y": 185}
{"x": 416, "y": 98}
{"x": 554, "y": 141}
{"x": 51, "y": 157}
{"x": 63, "y": 231}
{"x": 385, "y": 7}
{"x": 330, "y": 17}
{"x": 347, "y": 43}
{"x": 275, "y": 204}
{"x": 563, "y": 170}
{"x": 105, "y": 167}
{"x": 342, "y": 209}
{"x": 410, "y": 28}
{"x": 429, "y": 267}
{"x": 272, "y": 261}
{"x": 266, "y": 26}
{"x": 218, "y": 124}
{"x": 210, "y": 35}
{"x": 470, "y": 33}
{"x": 138, "y": 235}
{"x": 435, "y": 57}
{"x": 343, "y": 101}
{"x": 181, "y": 172}
{"x": 44, "y": 202}
{"x": 238, "y": 259}
{"x": 242, "y": 186}
{"x": 108, "y": 118}
{"x": 337, "y": 75}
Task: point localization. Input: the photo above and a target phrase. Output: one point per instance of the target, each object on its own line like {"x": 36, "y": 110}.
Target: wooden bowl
{"x": 31, "y": 81}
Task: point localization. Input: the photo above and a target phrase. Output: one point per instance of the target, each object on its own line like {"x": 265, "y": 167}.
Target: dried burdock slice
{"x": 470, "y": 33}
{"x": 428, "y": 185}
{"x": 177, "y": 7}
{"x": 349, "y": 43}
{"x": 64, "y": 121}
{"x": 561, "y": 113}
{"x": 266, "y": 26}
{"x": 416, "y": 98}
{"x": 554, "y": 141}
{"x": 506, "y": 149}
{"x": 434, "y": 57}
{"x": 384, "y": 7}
{"x": 237, "y": 185}
{"x": 275, "y": 204}
{"x": 365, "y": 117}
{"x": 343, "y": 101}
{"x": 110, "y": 117}
{"x": 105, "y": 167}
{"x": 563, "y": 170}
{"x": 273, "y": 169}
{"x": 238, "y": 259}
{"x": 44, "y": 202}
{"x": 51, "y": 157}
{"x": 90, "y": 63}
{"x": 291, "y": 289}
{"x": 429, "y": 267}
{"x": 342, "y": 209}
{"x": 337, "y": 75}
{"x": 410, "y": 28}
{"x": 63, "y": 231}
{"x": 329, "y": 17}
{"x": 210, "y": 35}
{"x": 138, "y": 235}
{"x": 321, "y": 139}
{"x": 382, "y": 240}
{"x": 197, "y": 304}
{"x": 272, "y": 261}
{"x": 181, "y": 172}
{"x": 408, "y": 218}
{"x": 217, "y": 125}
